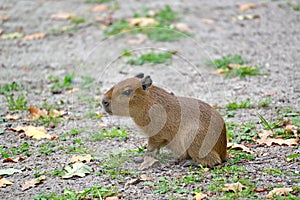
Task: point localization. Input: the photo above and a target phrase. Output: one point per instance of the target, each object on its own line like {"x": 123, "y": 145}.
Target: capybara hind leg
{"x": 210, "y": 160}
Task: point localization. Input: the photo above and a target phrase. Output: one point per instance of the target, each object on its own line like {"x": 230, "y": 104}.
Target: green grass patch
{"x": 243, "y": 104}
{"x": 94, "y": 192}
{"x": 9, "y": 87}
{"x": 57, "y": 83}
{"x": 234, "y": 65}
{"x": 113, "y": 166}
{"x": 153, "y": 58}
{"x": 237, "y": 133}
{"x": 14, "y": 151}
{"x": 47, "y": 148}
{"x": 78, "y": 20}
{"x": 18, "y": 103}
{"x": 159, "y": 32}
{"x": 119, "y": 134}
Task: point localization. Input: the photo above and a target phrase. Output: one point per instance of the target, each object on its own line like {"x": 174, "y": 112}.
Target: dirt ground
{"x": 272, "y": 41}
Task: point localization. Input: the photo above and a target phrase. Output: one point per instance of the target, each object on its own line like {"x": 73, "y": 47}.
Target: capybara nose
{"x": 105, "y": 103}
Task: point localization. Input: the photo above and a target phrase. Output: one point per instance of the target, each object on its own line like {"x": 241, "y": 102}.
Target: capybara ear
{"x": 146, "y": 82}
{"x": 140, "y": 75}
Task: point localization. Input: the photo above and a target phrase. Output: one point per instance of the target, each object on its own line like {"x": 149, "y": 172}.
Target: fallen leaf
{"x": 62, "y": 16}
{"x": 278, "y": 191}
{"x": 200, "y": 196}
{"x": 14, "y": 160}
{"x": 220, "y": 71}
{"x": 139, "y": 39}
{"x": 203, "y": 170}
{"x": 5, "y": 17}
{"x": 12, "y": 117}
{"x": 208, "y": 21}
{"x": 133, "y": 181}
{"x": 182, "y": 27}
{"x": 291, "y": 129}
{"x": 9, "y": 171}
{"x": 33, "y": 182}
{"x": 145, "y": 177}
{"x": 260, "y": 189}
{"x": 72, "y": 90}
{"x": 10, "y": 36}
{"x": 234, "y": 187}
{"x": 269, "y": 141}
{"x": 148, "y": 162}
{"x": 245, "y": 7}
{"x": 34, "y": 36}
{"x": 4, "y": 182}
{"x": 78, "y": 158}
{"x": 36, "y": 112}
{"x": 246, "y": 17}
{"x": 112, "y": 198}
{"x": 34, "y": 132}
{"x": 56, "y": 113}
{"x": 239, "y": 147}
{"x": 77, "y": 169}
{"x": 100, "y": 7}
{"x": 237, "y": 66}
{"x": 142, "y": 21}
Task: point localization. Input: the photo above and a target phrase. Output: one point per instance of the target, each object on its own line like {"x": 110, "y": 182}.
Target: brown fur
{"x": 189, "y": 127}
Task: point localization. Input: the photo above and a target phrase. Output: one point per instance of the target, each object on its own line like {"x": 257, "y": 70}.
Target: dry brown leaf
{"x": 142, "y": 21}
{"x": 246, "y": 17}
{"x": 112, "y": 198}
{"x": 34, "y": 132}
{"x": 148, "y": 162}
{"x": 269, "y": 141}
{"x": 36, "y": 113}
{"x": 208, "y": 21}
{"x": 62, "y": 16}
{"x": 72, "y": 90}
{"x": 220, "y": 71}
{"x": 100, "y": 7}
{"x": 34, "y": 36}
{"x": 33, "y": 182}
{"x": 234, "y": 187}
{"x": 248, "y": 6}
{"x": 278, "y": 191}
{"x": 145, "y": 177}
{"x": 260, "y": 189}
{"x": 133, "y": 181}
{"x": 12, "y": 117}
{"x": 239, "y": 147}
{"x": 290, "y": 128}
{"x": 4, "y": 182}
{"x": 200, "y": 196}
{"x": 56, "y": 113}
{"x": 182, "y": 27}
{"x": 5, "y": 17}
{"x": 78, "y": 158}
{"x": 139, "y": 39}
{"x": 14, "y": 160}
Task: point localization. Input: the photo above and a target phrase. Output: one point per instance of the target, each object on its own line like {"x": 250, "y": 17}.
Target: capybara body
{"x": 190, "y": 128}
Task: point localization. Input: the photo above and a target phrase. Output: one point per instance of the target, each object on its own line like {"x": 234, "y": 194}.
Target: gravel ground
{"x": 271, "y": 41}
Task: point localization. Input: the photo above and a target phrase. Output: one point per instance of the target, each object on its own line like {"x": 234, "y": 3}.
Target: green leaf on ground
{"x": 77, "y": 169}
{"x": 9, "y": 171}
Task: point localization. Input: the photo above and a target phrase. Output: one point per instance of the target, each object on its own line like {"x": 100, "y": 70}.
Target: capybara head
{"x": 118, "y": 100}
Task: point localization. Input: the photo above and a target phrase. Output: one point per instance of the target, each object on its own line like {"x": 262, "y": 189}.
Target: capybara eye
{"x": 127, "y": 92}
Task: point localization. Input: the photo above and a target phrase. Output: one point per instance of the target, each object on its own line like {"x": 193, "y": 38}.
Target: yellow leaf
{"x": 62, "y": 16}
{"x": 36, "y": 113}
{"x": 100, "y": 8}
{"x": 72, "y": 90}
{"x": 34, "y": 36}
{"x": 239, "y": 147}
{"x": 278, "y": 191}
{"x": 234, "y": 187}
{"x": 12, "y": 117}
{"x": 142, "y": 21}
{"x": 78, "y": 158}
{"x": 33, "y": 132}
{"x": 200, "y": 196}
{"x": 4, "y": 182}
{"x": 245, "y": 7}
